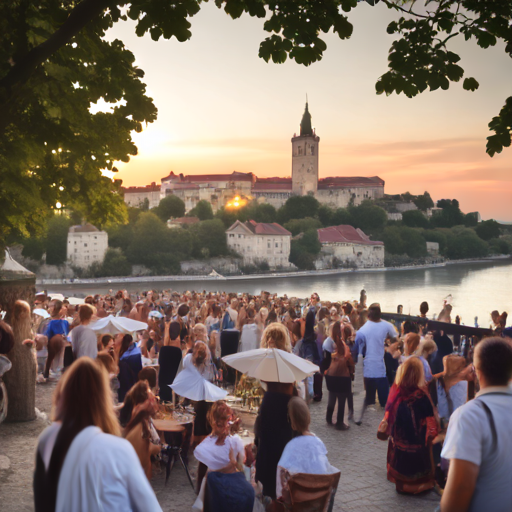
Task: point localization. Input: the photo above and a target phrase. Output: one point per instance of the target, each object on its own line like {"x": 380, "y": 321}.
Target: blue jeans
{"x": 380, "y": 386}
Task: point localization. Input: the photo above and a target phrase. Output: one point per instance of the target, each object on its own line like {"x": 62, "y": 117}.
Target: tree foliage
{"x": 209, "y": 239}
{"x": 467, "y": 244}
{"x": 298, "y": 207}
{"x": 57, "y": 240}
{"x": 297, "y": 226}
{"x": 404, "y": 240}
{"x": 202, "y": 210}
{"x": 368, "y": 217}
{"x": 55, "y": 63}
{"x": 449, "y": 216}
{"x": 415, "y": 219}
{"x": 488, "y": 229}
{"x": 304, "y": 250}
{"x": 423, "y": 202}
{"x": 170, "y": 206}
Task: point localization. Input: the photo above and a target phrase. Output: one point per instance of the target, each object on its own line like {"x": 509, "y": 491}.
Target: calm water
{"x": 476, "y": 288}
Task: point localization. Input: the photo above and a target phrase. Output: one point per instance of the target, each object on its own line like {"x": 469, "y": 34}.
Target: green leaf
{"x": 470, "y": 84}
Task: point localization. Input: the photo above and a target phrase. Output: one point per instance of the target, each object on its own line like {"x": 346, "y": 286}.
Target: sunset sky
{"x": 222, "y": 108}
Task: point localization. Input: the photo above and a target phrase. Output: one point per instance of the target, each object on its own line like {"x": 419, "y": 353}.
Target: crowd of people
{"x": 101, "y": 448}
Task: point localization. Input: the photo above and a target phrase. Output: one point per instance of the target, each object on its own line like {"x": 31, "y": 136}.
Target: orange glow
{"x": 236, "y": 202}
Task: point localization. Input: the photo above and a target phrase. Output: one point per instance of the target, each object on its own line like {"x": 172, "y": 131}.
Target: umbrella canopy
{"x": 117, "y": 324}
{"x": 155, "y": 314}
{"x": 271, "y": 365}
{"x": 75, "y": 301}
{"x": 41, "y": 312}
{"x": 192, "y": 385}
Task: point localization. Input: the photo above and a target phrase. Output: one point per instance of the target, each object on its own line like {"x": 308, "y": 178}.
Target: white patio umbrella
{"x": 41, "y": 312}
{"x": 117, "y": 324}
{"x": 190, "y": 384}
{"x": 75, "y": 301}
{"x": 271, "y": 365}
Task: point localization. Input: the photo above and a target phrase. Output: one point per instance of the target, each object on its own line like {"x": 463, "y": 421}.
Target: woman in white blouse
{"x": 82, "y": 464}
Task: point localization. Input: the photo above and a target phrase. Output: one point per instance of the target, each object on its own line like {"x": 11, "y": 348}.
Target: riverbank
{"x": 299, "y": 273}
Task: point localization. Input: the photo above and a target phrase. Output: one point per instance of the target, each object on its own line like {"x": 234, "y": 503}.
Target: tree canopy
{"x": 170, "y": 206}
{"x": 55, "y": 65}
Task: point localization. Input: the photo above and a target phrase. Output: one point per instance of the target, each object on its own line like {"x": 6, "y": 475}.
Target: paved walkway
{"x": 358, "y": 453}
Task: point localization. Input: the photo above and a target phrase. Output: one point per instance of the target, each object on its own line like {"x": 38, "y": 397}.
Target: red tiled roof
{"x": 171, "y": 176}
{"x": 83, "y": 228}
{"x": 185, "y": 220}
{"x": 147, "y": 188}
{"x": 235, "y": 176}
{"x": 286, "y": 187}
{"x": 262, "y": 228}
{"x": 344, "y": 234}
{"x": 349, "y": 181}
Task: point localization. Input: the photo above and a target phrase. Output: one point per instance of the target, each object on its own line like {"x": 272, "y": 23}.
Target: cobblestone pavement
{"x": 358, "y": 453}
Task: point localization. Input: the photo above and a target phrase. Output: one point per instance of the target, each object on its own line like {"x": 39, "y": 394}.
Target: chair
{"x": 313, "y": 493}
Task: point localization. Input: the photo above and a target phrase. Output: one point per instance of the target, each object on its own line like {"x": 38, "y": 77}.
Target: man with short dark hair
{"x": 370, "y": 340}
{"x": 479, "y": 438}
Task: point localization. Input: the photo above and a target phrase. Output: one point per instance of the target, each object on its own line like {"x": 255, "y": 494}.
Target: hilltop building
{"x": 260, "y": 242}
{"x": 86, "y": 245}
{"x": 219, "y": 189}
{"x": 346, "y": 246}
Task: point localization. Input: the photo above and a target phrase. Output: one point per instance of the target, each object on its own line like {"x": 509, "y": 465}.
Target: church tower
{"x": 305, "y": 158}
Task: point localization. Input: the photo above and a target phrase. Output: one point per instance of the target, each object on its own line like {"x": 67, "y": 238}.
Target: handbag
{"x": 382, "y": 431}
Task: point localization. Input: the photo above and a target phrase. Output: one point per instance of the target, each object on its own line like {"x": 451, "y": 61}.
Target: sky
{"x": 221, "y": 108}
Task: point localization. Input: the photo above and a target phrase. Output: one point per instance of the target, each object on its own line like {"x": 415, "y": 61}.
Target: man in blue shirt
{"x": 370, "y": 341}
{"x": 56, "y": 332}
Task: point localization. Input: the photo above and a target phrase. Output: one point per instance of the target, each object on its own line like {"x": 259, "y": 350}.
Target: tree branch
{"x": 392, "y": 5}
{"x": 80, "y": 16}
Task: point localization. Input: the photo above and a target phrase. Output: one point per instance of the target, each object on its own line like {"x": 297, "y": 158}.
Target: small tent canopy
{"x": 11, "y": 266}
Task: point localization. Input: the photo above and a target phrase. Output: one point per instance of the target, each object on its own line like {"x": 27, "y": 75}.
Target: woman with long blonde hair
{"x": 276, "y": 335}
{"x": 81, "y": 463}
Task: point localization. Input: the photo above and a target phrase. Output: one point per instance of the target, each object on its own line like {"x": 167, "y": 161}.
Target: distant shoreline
{"x": 300, "y": 273}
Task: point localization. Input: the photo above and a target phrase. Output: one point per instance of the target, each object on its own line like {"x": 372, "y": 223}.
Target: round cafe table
{"x": 173, "y": 451}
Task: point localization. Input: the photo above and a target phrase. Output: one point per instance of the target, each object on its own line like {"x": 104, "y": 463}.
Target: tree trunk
{"x": 20, "y": 380}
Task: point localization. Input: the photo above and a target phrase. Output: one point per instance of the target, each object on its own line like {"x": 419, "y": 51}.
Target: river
{"x": 476, "y": 288}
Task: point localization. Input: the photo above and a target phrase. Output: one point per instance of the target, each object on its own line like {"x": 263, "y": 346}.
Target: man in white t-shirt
{"x": 479, "y": 438}
{"x": 370, "y": 340}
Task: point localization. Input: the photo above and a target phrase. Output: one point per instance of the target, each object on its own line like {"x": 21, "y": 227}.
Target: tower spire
{"x": 305, "y": 124}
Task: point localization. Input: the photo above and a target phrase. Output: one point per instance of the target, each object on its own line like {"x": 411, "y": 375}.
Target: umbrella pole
{"x": 173, "y": 398}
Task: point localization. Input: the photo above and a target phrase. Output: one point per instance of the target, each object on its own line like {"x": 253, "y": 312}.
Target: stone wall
{"x": 340, "y": 197}
{"x": 350, "y": 255}
{"x": 205, "y": 267}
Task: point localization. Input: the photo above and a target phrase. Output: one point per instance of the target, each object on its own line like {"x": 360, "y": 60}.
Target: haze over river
{"x": 476, "y": 288}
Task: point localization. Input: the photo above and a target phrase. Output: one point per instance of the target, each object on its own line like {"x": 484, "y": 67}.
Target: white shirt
{"x": 469, "y": 437}
{"x": 251, "y": 337}
{"x": 304, "y": 454}
{"x": 215, "y": 456}
{"x": 372, "y": 336}
{"x": 329, "y": 345}
{"x": 84, "y": 342}
{"x": 100, "y": 472}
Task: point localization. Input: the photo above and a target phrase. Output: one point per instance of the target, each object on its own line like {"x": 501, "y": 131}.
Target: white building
{"x": 258, "y": 242}
{"x": 86, "y": 245}
{"x": 347, "y": 246}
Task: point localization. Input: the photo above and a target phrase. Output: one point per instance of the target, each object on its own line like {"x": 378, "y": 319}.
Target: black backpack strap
{"x": 492, "y": 424}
